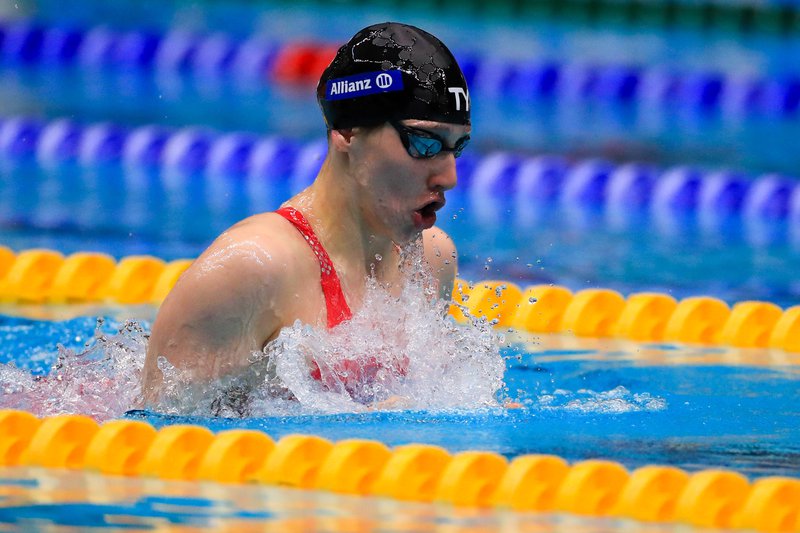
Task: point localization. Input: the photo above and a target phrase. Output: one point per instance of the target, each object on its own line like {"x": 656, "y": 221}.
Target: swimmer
{"x": 396, "y": 107}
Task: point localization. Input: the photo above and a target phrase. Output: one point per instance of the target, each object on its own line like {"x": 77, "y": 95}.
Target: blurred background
{"x": 630, "y": 144}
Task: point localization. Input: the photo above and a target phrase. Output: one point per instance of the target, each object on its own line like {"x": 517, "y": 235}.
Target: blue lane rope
{"x": 28, "y": 42}
{"x": 506, "y": 178}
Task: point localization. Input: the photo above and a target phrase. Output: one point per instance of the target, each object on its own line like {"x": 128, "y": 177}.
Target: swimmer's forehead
{"x": 442, "y": 128}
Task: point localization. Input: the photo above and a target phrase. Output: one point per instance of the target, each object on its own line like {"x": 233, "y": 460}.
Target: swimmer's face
{"x": 400, "y": 194}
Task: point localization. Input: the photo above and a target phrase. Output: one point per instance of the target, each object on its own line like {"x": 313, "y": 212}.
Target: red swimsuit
{"x": 349, "y": 371}
{"x": 336, "y": 305}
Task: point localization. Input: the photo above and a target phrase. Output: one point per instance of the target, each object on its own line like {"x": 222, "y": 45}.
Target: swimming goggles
{"x": 421, "y": 144}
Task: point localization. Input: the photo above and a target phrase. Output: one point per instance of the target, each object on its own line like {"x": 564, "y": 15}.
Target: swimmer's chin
{"x": 412, "y": 237}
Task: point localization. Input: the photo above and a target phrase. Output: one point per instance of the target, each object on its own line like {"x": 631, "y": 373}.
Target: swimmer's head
{"x": 391, "y": 72}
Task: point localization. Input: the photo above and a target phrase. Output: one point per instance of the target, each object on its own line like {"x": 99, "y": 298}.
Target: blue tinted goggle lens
{"x": 422, "y": 144}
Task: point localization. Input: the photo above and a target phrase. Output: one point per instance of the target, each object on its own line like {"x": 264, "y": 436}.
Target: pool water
{"x": 691, "y": 407}
{"x": 688, "y": 406}
{"x": 68, "y": 208}
{"x": 579, "y": 126}
{"x": 638, "y": 404}
{"x": 66, "y": 501}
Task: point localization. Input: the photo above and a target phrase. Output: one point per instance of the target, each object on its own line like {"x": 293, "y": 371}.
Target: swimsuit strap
{"x": 335, "y": 303}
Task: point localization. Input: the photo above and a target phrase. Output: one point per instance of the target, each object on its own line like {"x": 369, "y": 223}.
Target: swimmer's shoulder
{"x": 254, "y": 256}
{"x": 441, "y": 255}
{"x": 258, "y": 243}
{"x": 276, "y": 235}
{"x": 236, "y": 295}
{"x": 228, "y": 303}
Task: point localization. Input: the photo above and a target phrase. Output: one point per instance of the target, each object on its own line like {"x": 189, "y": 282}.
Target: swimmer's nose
{"x": 445, "y": 176}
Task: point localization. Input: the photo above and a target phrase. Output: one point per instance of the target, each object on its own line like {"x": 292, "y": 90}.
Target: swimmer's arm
{"x": 440, "y": 252}
{"x": 219, "y": 312}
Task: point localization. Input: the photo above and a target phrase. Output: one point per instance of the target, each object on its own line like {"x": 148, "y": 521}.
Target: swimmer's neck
{"x": 332, "y": 206}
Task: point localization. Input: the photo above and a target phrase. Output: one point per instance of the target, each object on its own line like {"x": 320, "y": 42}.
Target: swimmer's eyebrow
{"x": 440, "y": 129}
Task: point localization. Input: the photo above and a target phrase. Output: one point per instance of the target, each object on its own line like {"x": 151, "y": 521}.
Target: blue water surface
{"x": 691, "y": 407}
{"x": 716, "y": 416}
{"x": 629, "y": 403}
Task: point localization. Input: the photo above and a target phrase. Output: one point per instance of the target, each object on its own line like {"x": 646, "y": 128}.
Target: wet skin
{"x": 260, "y": 275}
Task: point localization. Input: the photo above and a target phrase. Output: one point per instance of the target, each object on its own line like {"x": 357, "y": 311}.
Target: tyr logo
{"x": 459, "y": 92}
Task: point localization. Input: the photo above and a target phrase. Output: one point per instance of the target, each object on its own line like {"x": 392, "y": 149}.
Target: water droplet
{"x": 532, "y": 300}
{"x": 378, "y": 257}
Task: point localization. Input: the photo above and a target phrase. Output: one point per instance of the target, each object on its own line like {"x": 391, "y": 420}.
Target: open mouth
{"x": 425, "y": 216}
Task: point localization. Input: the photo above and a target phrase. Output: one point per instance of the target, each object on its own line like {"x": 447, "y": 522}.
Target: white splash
{"x": 616, "y": 401}
{"x": 397, "y": 352}
{"x": 102, "y": 381}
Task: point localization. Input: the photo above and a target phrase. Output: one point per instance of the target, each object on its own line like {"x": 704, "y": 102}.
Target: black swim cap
{"x": 392, "y": 71}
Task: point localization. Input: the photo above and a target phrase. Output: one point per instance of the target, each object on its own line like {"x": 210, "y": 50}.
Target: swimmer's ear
{"x": 342, "y": 139}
